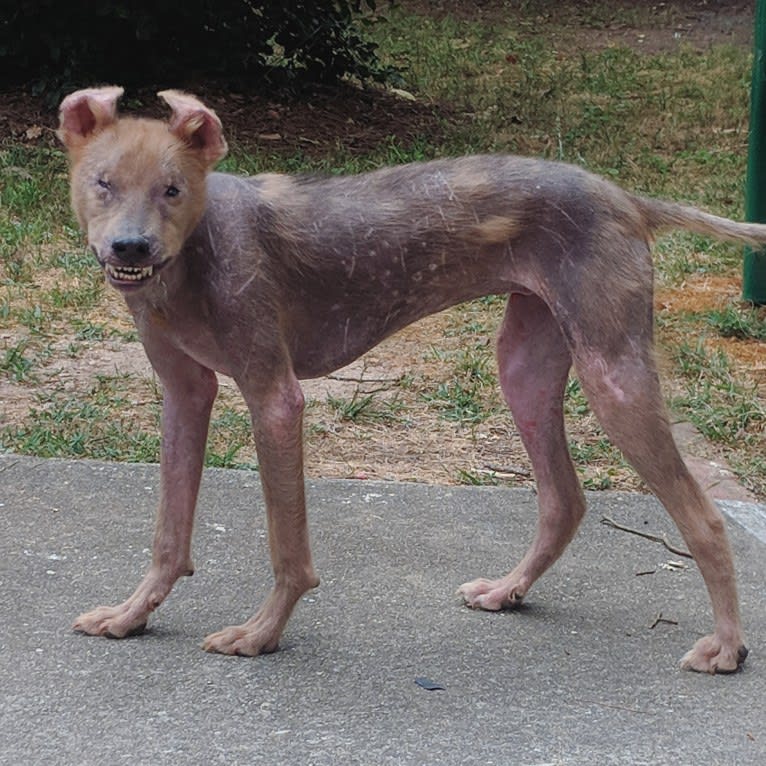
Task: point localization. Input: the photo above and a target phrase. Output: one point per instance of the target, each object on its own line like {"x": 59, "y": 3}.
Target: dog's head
{"x": 138, "y": 185}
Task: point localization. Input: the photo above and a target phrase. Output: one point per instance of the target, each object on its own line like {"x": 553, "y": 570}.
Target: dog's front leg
{"x": 277, "y": 415}
{"x": 190, "y": 391}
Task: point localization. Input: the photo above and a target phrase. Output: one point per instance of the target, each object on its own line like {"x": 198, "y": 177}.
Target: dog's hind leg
{"x": 534, "y": 362}
{"x": 625, "y": 395}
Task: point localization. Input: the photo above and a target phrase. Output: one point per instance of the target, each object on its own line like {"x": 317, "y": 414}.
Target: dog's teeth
{"x": 129, "y": 273}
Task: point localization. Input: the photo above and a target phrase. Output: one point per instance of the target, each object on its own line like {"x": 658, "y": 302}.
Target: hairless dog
{"x": 274, "y": 278}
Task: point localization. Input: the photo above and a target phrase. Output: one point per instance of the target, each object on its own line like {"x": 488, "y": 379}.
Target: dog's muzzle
{"x": 129, "y": 263}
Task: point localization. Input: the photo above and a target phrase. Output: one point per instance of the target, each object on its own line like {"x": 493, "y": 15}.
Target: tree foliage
{"x": 56, "y": 45}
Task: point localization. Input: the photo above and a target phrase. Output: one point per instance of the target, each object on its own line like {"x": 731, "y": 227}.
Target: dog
{"x": 273, "y": 278}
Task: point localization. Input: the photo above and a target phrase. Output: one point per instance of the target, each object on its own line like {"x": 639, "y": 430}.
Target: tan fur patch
{"x": 494, "y": 230}
{"x": 275, "y": 185}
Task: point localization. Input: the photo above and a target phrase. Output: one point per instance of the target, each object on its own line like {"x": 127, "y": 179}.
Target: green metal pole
{"x": 754, "y": 271}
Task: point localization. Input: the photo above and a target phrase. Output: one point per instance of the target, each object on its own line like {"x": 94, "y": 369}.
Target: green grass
{"x": 16, "y": 364}
{"x": 33, "y": 206}
{"x": 723, "y": 408}
{"x": 743, "y": 322}
{"x": 671, "y": 124}
{"x": 469, "y": 396}
{"x": 90, "y": 426}
{"x": 230, "y": 433}
{"x": 644, "y": 119}
{"x": 476, "y": 479}
{"x": 727, "y": 409}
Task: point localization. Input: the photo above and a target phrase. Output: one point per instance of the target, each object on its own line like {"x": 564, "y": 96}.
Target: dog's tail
{"x": 660, "y": 214}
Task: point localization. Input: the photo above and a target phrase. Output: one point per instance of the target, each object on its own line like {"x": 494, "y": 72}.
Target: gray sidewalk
{"x": 578, "y": 676}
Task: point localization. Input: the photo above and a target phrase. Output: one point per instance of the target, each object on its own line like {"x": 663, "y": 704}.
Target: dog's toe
{"x": 491, "y": 595}
{"x": 713, "y": 656}
{"x": 248, "y": 640}
{"x": 138, "y": 630}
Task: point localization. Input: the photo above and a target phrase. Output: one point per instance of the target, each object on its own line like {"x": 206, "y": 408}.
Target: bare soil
{"x": 418, "y": 444}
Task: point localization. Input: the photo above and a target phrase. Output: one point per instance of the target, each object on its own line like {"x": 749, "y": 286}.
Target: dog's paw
{"x": 711, "y": 655}
{"x": 246, "y": 640}
{"x": 491, "y": 595}
{"x": 109, "y": 621}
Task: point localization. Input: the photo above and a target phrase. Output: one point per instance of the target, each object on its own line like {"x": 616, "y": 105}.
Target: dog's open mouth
{"x": 129, "y": 273}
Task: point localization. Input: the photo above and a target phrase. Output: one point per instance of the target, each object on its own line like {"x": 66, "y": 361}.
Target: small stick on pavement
{"x": 660, "y": 619}
{"x": 654, "y": 538}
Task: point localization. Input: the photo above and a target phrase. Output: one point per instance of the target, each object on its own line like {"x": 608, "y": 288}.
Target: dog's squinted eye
{"x": 172, "y": 191}
{"x": 104, "y": 184}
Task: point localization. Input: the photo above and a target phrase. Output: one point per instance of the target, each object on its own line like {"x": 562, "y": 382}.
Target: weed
{"x": 91, "y": 330}
{"x": 230, "y": 432}
{"x": 751, "y": 468}
{"x": 477, "y": 479}
{"x": 74, "y": 263}
{"x": 457, "y": 401}
{"x": 669, "y": 123}
{"x": 81, "y": 297}
{"x": 738, "y": 321}
{"x": 364, "y": 408}
{"x": 599, "y": 482}
{"x": 34, "y": 319}
{"x": 66, "y": 426}
{"x": 723, "y": 409}
{"x": 352, "y": 409}
{"x": 16, "y": 364}
{"x": 596, "y": 450}
{"x": 574, "y": 399}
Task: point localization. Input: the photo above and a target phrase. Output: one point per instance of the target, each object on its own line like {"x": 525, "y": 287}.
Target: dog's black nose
{"x": 131, "y": 248}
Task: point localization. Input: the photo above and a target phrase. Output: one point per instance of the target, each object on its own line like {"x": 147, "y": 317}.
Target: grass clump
{"x": 533, "y": 80}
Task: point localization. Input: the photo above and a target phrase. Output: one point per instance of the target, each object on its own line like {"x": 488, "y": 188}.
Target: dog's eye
{"x": 104, "y": 184}
{"x": 172, "y": 191}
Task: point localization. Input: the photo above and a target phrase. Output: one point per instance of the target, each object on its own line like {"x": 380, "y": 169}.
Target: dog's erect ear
{"x": 84, "y": 113}
{"x": 195, "y": 124}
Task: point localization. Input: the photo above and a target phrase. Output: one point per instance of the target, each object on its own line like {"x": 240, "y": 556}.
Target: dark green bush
{"x": 55, "y": 45}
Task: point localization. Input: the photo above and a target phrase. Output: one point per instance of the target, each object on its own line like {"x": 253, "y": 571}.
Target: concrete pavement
{"x": 578, "y": 676}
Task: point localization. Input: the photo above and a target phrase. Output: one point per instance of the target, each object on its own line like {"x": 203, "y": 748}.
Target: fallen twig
{"x": 654, "y": 538}
{"x": 659, "y": 618}
{"x": 509, "y": 470}
{"x": 349, "y": 379}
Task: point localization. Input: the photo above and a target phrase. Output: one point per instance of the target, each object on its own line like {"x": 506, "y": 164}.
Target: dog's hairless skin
{"x": 274, "y": 278}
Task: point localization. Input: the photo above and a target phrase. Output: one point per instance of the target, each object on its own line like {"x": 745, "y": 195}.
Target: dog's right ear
{"x": 84, "y": 113}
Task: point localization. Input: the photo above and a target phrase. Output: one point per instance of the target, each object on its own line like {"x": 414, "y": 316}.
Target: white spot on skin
{"x": 613, "y": 388}
{"x": 609, "y": 376}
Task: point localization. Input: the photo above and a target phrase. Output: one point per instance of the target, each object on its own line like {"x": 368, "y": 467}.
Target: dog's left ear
{"x": 195, "y": 124}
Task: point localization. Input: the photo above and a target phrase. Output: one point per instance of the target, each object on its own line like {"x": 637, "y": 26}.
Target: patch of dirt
{"x": 695, "y": 23}
{"x": 594, "y": 24}
{"x": 358, "y": 119}
{"x": 704, "y": 292}
{"x": 699, "y": 293}
{"x": 420, "y": 445}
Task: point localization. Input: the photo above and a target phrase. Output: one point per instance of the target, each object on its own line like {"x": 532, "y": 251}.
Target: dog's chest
{"x": 186, "y": 331}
